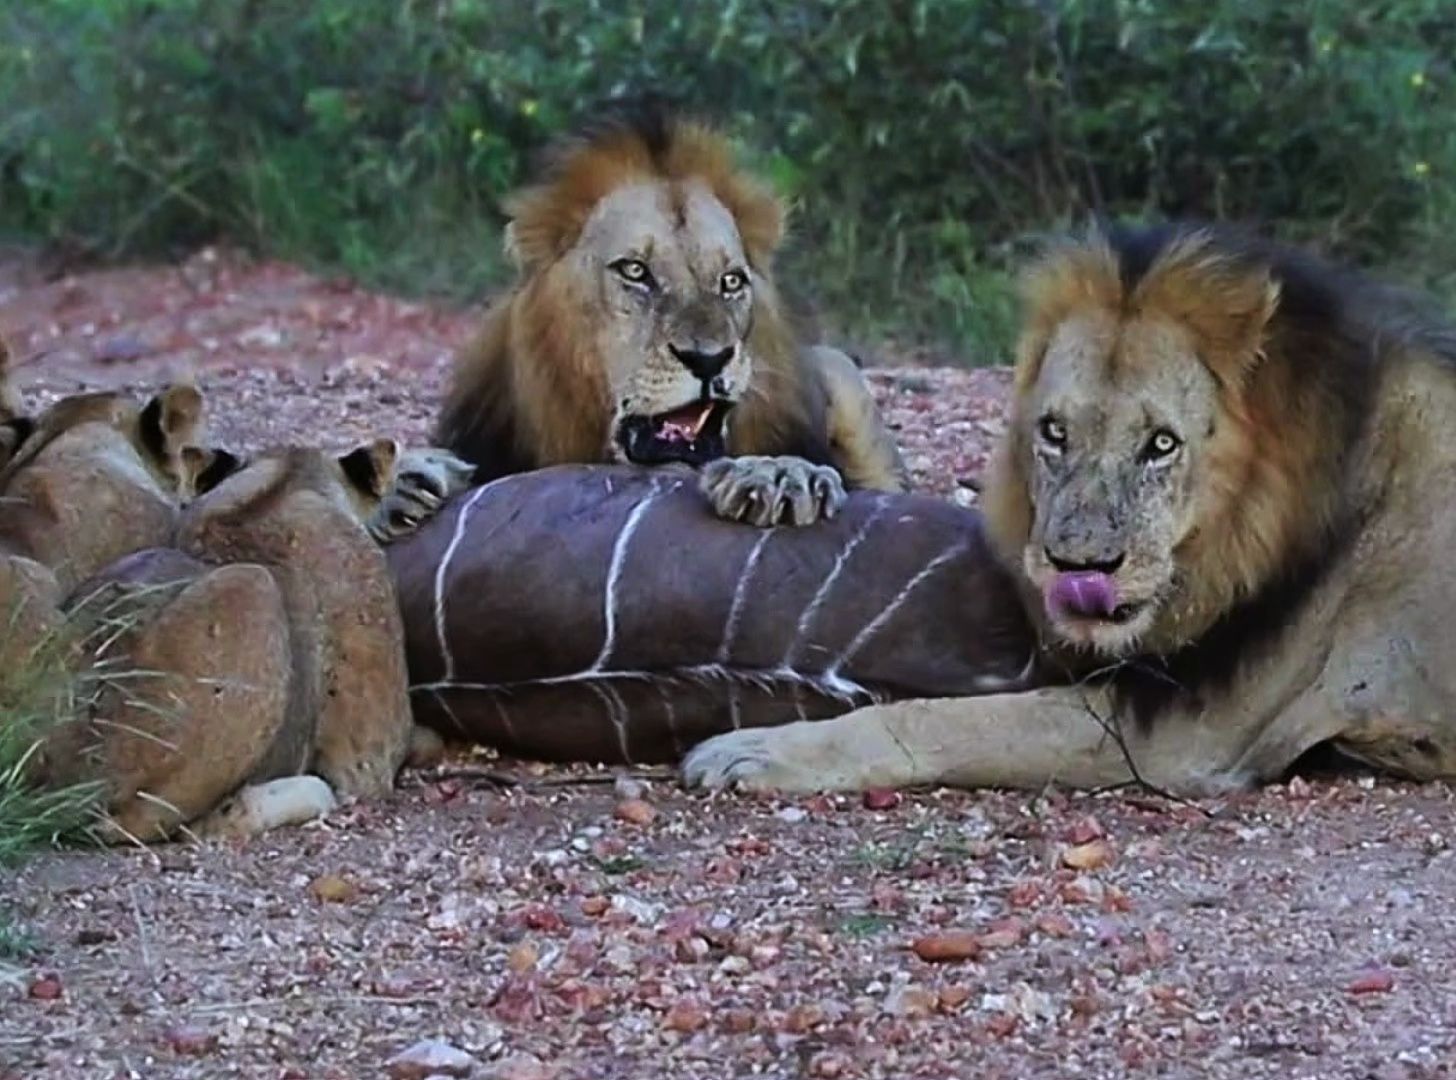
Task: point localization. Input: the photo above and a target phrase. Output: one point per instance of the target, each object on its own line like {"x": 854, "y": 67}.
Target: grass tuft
{"x": 40, "y": 690}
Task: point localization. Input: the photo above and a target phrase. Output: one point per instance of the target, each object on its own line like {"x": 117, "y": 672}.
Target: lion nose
{"x": 1105, "y": 565}
{"x": 703, "y": 364}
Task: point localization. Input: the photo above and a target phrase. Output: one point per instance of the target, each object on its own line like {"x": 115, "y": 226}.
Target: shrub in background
{"x": 925, "y": 142}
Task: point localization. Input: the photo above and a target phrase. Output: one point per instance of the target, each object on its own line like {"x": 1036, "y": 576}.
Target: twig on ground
{"x": 136, "y": 910}
{"x": 502, "y": 778}
{"x": 270, "y": 1003}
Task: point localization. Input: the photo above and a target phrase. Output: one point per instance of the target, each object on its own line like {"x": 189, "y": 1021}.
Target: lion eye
{"x": 1053, "y": 432}
{"x": 633, "y": 270}
{"x": 1162, "y": 443}
{"x": 733, "y": 283}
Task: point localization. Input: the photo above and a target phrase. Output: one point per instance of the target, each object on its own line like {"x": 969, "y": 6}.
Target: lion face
{"x": 1115, "y": 432}
{"x": 676, "y": 298}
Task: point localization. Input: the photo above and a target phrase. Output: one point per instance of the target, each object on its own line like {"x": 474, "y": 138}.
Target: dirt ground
{"x": 576, "y": 925}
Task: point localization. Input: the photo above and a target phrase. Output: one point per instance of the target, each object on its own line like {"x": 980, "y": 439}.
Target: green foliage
{"x": 865, "y": 925}
{"x": 39, "y": 690}
{"x": 924, "y": 142}
{"x": 16, "y": 943}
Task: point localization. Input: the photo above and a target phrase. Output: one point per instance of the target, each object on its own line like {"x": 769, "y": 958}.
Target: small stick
{"x": 136, "y": 910}
{"x": 351, "y": 999}
{"x": 501, "y": 778}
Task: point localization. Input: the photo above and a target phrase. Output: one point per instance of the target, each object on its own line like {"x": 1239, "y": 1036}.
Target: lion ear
{"x": 371, "y": 468}
{"x": 205, "y": 468}
{"x": 172, "y": 420}
{"x": 1226, "y": 301}
{"x": 762, "y": 221}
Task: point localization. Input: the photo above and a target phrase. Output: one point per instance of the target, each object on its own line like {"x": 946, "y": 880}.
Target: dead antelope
{"x": 604, "y": 613}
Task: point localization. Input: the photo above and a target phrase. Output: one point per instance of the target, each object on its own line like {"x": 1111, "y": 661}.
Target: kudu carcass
{"x": 603, "y": 613}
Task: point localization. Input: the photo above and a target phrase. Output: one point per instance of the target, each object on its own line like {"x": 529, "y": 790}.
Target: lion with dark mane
{"x": 646, "y": 328}
{"x": 1226, "y": 492}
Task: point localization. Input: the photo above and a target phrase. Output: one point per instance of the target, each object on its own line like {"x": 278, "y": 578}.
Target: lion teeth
{"x": 702, "y": 420}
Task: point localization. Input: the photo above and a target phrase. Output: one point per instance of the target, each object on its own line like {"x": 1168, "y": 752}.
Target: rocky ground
{"x": 580, "y": 926}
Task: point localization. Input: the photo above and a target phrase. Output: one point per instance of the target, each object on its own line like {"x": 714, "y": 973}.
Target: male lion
{"x": 646, "y": 328}
{"x": 1227, "y": 485}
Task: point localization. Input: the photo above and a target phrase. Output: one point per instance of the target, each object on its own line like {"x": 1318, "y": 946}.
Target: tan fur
{"x": 272, "y": 637}
{"x": 93, "y": 477}
{"x": 201, "y": 660}
{"x": 238, "y": 641}
{"x": 571, "y": 352}
{"x": 1286, "y": 567}
{"x": 99, "y": 477}
{"x": 300, "y": 513}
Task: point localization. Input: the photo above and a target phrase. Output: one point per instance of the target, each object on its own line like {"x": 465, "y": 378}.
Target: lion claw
{"x": 424, "y": 480}
{"x": 799, "y": 758}
{"x": 765, "y": 491}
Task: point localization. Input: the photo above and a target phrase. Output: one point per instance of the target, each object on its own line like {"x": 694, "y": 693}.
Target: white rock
{"x": 640, "y": 910}
{"x": 629, "y": 787}
{"x": 430, "y": 1057}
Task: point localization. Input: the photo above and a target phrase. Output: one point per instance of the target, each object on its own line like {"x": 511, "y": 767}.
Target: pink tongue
{"x": 1086, "y": 592}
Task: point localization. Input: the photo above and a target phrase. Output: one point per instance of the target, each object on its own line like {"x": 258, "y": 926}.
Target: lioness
{"x": 646, "y": 328}
{"x": 88, "y": 480}
{"x": 234, "y": 625}
{"x": 268, "y": 648}
{"x": 1226, "y": 490}
{"x": 110, "y": 480}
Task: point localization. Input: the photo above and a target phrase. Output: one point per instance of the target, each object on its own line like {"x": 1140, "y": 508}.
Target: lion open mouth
{"x": 692, "y": 434}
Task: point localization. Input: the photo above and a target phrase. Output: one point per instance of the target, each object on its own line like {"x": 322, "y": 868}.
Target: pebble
{"x": 430, "y": 1057}
{"x": 635, "y": 811}
{"x": 1092, "y": 855}
{"x": 948, "y": 946}
{"x": 628, "y": 788}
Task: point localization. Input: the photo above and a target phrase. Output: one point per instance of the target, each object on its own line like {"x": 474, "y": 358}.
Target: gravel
{"x": 500, "y": 919}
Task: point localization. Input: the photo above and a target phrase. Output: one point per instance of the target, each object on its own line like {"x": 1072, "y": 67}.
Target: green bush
{"x": 39, "y": 689}
{"x": 924, "y": 141}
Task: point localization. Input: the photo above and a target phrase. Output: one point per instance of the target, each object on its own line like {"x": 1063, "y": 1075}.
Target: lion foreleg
{"x": 1023, "y": 740}
{"x": 258, "y": 808}
{"x": 764, "y": 491}
{"x": 863, "y": 446}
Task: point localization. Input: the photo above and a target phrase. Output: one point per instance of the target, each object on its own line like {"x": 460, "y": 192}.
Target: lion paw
{"x": 796, "y": 758}
{"x": 424, "y": 480}
{"x": 260, "y": 808}
{"x": 767, "y": 491}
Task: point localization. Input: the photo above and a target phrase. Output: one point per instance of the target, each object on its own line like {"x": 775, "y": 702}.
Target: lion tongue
{"x": 683, "y": 425}
{"x": 1082, "y": 593}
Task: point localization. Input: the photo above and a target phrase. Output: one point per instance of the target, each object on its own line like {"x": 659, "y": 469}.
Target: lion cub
{"x": 236, "y": 621}
{"x": 272, "y": 629}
